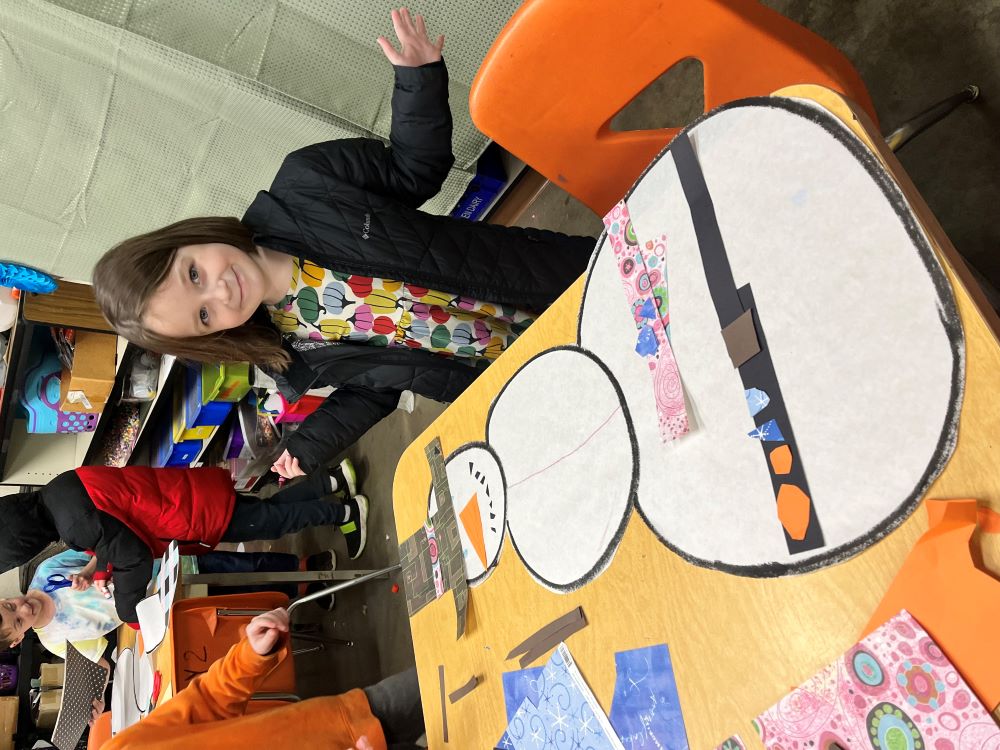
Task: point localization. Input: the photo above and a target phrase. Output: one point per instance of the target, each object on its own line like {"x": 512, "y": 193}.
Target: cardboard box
{"x": 53, "y": 675}
{"x": 8, "y": 721}
{"x": 93, "y": 372}
{"x": 48, "y": 708}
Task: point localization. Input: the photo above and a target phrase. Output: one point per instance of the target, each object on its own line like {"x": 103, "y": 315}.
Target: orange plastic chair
{"x": 205, "y": 628}
{"x": 560, "y": 70}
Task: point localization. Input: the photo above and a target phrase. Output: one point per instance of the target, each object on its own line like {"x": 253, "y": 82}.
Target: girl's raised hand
{"x": 416, "y": 48}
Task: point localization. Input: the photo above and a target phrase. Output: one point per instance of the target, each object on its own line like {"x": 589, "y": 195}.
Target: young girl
{"x": 334, "y": 278}
{"x": 126, "y": 517}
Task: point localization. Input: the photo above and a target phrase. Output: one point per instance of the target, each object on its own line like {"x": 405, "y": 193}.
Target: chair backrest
{"x": 561, "y": 70}
{"x": 202, "y": 634}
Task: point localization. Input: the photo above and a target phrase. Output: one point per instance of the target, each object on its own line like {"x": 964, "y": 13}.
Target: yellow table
{"x": 737, "y": 644}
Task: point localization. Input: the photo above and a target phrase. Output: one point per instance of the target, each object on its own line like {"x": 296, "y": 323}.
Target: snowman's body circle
{"x": 858, "y": 316}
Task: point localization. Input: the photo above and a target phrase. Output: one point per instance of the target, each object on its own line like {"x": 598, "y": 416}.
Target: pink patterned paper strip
{"x": 642, "y": 271}
{"x": 895, "y": 690}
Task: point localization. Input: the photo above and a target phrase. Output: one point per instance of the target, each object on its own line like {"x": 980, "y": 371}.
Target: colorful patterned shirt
{"x": 82, "y": 617}
{"x": 327, "y": 305}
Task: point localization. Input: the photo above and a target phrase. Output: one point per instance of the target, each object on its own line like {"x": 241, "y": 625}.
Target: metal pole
{"x": 341, "y": 586}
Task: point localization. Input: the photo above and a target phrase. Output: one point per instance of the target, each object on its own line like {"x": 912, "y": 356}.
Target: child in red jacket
{"x": 128, "y": 516}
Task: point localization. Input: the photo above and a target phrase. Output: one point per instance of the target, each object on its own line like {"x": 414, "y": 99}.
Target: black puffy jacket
{"x": 62, "y": 509}
{"x": 351, "y": 205}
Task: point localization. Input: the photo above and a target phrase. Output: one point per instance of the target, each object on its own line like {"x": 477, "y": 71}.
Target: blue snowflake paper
{"x": 768, "y": 432}
{"x": 646, "y": 711}
{"x": 567, "y": 714}
{"x": 757, "y": 400}
{"x": 519, "y": 685}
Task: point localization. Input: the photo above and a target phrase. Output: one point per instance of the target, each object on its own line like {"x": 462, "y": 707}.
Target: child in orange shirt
{"x": 209, "y": 712}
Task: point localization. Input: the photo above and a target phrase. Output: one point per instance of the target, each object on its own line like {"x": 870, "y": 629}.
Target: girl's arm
{"x": 345, "y": 415}
{"x": 414, "y": 166}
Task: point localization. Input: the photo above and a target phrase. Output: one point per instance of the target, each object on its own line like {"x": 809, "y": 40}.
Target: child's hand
{"x": 80, "y": 581}
{"x": 287, "y": 466}
{"x": 264, "y": 631}
{"x": 363, "y": 743}
{"x": 97, "y": 710}
{"x": 416, "y": 48}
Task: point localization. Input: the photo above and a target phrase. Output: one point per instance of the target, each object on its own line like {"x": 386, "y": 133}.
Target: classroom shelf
{"x": 152, "y": 410}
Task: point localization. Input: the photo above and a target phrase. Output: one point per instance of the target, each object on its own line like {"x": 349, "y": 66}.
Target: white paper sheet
{"x": 857, "y": 315}
{"x": 152, "y": 622}
{"x": 562, "y": 435}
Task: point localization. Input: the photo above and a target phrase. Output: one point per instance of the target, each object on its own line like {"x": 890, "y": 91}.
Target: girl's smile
{"x": 214, "y": 287}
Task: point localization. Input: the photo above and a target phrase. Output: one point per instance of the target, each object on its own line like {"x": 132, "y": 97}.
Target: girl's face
{"x": 208, "y": 288}
{"x": 19, "y": 613}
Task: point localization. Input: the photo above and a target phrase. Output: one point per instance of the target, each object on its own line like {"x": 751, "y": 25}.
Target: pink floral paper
{"x": 895, "y": 690}
{"x": 643, "y": 272}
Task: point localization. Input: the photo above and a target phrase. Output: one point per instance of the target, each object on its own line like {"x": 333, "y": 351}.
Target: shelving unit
{"x": 32, "y": 458}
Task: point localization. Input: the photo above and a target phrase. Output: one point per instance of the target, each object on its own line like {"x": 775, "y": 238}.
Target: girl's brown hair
{"x": 128, "y": 275}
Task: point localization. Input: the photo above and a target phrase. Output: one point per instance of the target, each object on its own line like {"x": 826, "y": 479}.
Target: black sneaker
{"x": 356, "y": 529}
{"x": 325, "y": 560}
{"x": 346, "y": 477}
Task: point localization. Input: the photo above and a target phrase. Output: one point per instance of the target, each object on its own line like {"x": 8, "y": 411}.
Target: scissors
{"x": 56, "y": 581}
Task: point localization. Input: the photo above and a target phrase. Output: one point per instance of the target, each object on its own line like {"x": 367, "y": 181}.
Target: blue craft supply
{"x": 646, "y": 344}
{"x": 520, "y": 685}
{"x": 645, "y": 710}
{"x": 768, "y": 432}
{"x": 563, "y": 715}
{"x": 648, "y": 309}
{"x": 757, "y": 400}
{"x": 56, "y": 581}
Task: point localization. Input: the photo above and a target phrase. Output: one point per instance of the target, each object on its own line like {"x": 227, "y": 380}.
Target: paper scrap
{"x": 83, "y": 684}
{"x": 741, "y": 339}
{"x": 456, "y": 695}
{"x": 473, "y": 524}
{"x": 743, "y": 332}
{"x": 768, "y": 432}
{"x": 542, "y": 646}
{"x": 757, "y": 400}
{"x": 444, "y": 704}
{"x": 548, "y": 631}
{"x": 645, "y": 292}
{"x": 519, "y": 685}
{"x": 567, "y": 713}
{"x": 893, "y": 689}
{"x": 431, "y": 559}
{"x": 152, "y": 621}
{"x": 449, "y": 539}
{"x": 781, "y": 460}
{"x": 645, "y": 710}
{"x": 944, "y": 585}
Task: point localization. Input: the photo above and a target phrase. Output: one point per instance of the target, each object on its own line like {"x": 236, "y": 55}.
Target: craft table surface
{"x": 738, "y": 644}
